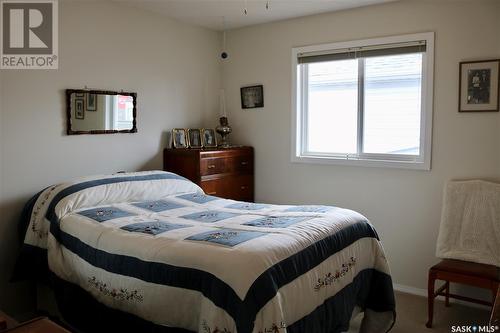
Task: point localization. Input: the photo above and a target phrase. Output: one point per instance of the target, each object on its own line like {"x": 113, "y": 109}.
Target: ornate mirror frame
{"x": 69, "y": 92}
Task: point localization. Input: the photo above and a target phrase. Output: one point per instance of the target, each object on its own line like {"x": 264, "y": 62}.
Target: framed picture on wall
{"x": 209, "y": 139}
{"x": 91, "y": 102}
{"x": 252, "y": 97}
{"x": 479, "y": 86}
{"x": 79, "y": 109}
{"x": 194, "y": 138}
{"x": 179, "y": 138}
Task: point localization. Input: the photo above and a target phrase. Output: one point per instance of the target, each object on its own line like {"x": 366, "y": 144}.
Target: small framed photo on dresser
{"x": 179, "y": 138}
{"x": 479, "y": 86}
{"x": 209, "y": 139}
{"x": 194, "y": 138}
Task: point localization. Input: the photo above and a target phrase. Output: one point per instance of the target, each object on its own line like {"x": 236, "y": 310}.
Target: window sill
{"x": 312, "y": 159}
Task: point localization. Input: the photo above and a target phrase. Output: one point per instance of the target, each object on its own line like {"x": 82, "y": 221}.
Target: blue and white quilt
{"x": 137, "y": 241}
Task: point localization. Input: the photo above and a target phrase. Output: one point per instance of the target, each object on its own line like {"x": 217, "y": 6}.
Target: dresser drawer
{"x": 243, "y": 189}
{"x": 243, "y": 164}
{"x": 213, "y": 166}
{"x": 233, "y": 164}
{"x": 232, "y": 187}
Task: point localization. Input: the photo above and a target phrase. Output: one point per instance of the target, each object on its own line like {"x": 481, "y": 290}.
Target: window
{"x": 364, "y": 102}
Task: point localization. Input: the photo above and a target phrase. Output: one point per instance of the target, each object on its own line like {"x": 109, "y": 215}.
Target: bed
{"x": 151, "y": 252}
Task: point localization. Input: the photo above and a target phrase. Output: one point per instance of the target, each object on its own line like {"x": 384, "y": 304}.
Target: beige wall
{"x": 404, "y": 205}
{"x": 173, "y": 67}
{"x": 1, "y": 165}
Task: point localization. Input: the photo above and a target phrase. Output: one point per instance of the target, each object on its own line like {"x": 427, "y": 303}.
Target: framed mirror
{"x": 101, "y": 112}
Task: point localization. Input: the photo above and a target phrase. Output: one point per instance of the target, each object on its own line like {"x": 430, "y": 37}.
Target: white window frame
{"x": 299, "y": 117}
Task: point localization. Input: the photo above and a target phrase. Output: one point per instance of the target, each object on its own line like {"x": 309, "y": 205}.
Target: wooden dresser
{"x": 226, "y": 173}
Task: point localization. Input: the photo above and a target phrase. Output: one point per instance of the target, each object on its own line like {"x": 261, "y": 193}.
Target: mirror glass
{"x": 100, "y": 112}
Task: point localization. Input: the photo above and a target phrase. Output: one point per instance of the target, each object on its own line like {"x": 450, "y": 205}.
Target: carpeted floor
{"x": 412, "y": 316}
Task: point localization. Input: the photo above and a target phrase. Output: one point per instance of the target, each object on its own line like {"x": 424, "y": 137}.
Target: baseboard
{"x": 410, "y": 290}
{"x": 423, "y": 293}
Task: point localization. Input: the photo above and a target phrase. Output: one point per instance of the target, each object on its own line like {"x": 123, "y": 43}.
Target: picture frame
{"x": 79, "y": 108}
{"x": 194, "y": 138}
{"x": 252, "y": 97}
{"x": 479, "y": 84}
{"x": 209, "y": 138}
{"x": 179, "y": 138}
{"x": 91, "y": 102}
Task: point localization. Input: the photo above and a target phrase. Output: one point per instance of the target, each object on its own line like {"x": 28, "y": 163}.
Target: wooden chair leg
{"x": 430, "y": 298}
{"x": 495, "y": 311}
{"x": 447, "y": 297}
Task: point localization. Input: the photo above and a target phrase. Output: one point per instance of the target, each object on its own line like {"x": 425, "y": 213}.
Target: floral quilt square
{"x": 228, "y": 237}
{"x": 209, "y": 216}
{"x": 277, "y": 221}
{"x": 158, "y": 206}
{"x": 309, "y": 209}
{"x": 153, "y": 228}
{"x": 104, "y": 214}
{"x": 247, "y": 206}
{"x": 198, "y": 198}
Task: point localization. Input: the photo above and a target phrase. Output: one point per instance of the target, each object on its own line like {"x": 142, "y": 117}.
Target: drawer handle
{"x": 212, "y": 193}
{"x": 211, "y": 166}
{"x": 243, "y": 188}
{"x": 244, "y": 163}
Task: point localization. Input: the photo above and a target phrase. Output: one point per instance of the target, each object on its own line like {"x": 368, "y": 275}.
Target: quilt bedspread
{"x": 152, "y": 244}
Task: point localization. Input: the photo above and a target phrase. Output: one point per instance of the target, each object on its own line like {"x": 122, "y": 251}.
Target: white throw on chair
{"x": 468, "y": 243}
{"x": 470, "y": 223}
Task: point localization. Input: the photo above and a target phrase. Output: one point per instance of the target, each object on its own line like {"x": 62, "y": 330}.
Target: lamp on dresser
{"x": 226, "y": 173}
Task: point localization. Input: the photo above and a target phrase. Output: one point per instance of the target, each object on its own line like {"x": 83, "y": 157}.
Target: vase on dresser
{"x": 224, "y": 130}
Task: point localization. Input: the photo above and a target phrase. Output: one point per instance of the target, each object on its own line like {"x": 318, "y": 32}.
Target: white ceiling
{"x": 211, "y": 13}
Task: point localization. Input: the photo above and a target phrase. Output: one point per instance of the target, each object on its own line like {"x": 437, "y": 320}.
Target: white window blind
{"x": 363, "y": 52}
